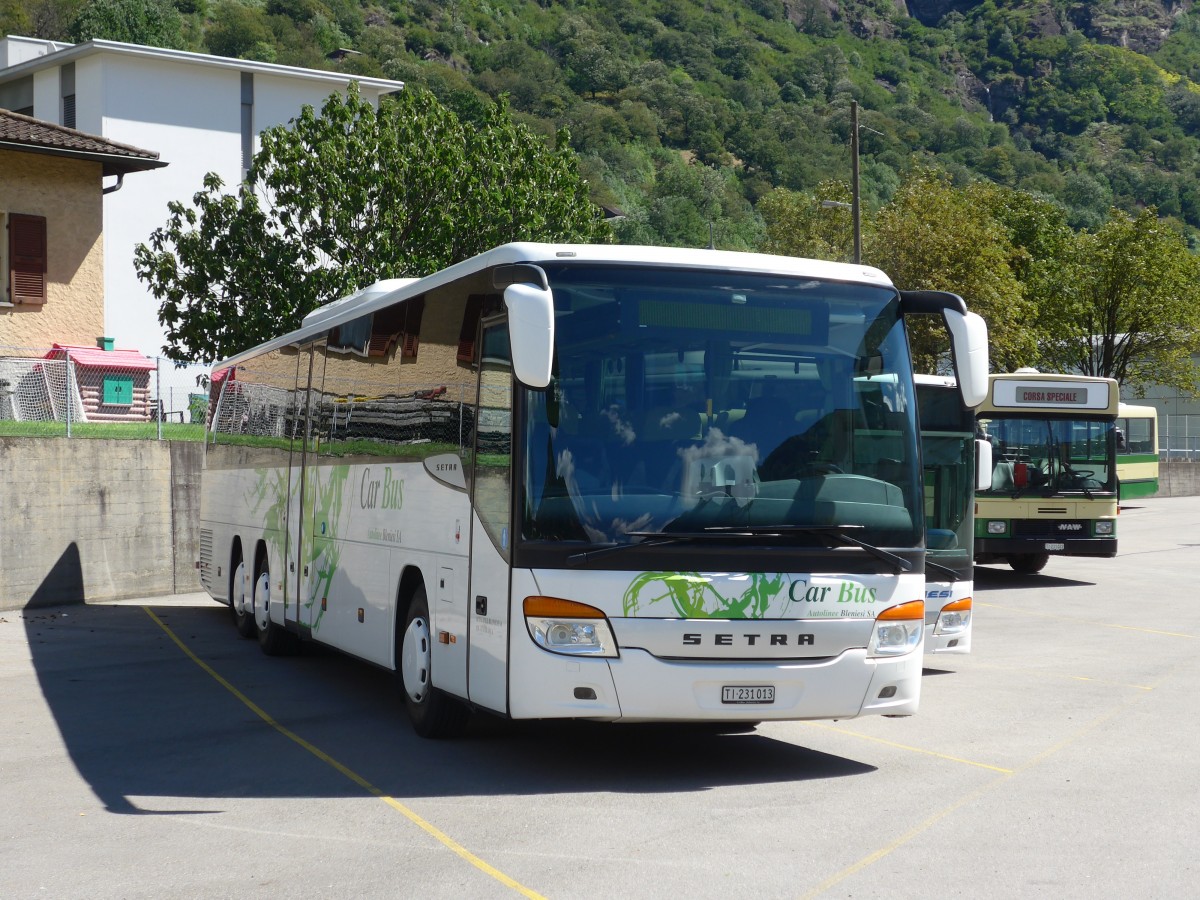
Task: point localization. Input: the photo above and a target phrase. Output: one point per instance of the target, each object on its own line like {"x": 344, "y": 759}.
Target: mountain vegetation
{"x": 1093, "y": 104}
{"x": 1029, "y": 124}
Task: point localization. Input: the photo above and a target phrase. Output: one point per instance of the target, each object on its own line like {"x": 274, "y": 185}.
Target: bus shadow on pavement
{"x": 1001, "y": 577}
{"x": 145, "y": 725}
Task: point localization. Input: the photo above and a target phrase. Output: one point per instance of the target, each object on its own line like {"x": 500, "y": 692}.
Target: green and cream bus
{"x": 1137, "y": 451}
{"x": 1054, "y": 469}
{"x": 598, "y": 482}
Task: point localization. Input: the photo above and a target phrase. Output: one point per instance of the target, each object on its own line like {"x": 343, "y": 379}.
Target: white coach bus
{"x": 954, "y": 465}
{"x": 600, "y": 482}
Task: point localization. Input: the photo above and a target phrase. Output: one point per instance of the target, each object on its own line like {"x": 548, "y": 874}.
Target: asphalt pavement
{"x": 147, "y": 752}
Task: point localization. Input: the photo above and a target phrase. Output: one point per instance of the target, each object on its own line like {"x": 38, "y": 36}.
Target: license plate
{"x": 755, "y": 693}
{"x": 1056, "y": 547}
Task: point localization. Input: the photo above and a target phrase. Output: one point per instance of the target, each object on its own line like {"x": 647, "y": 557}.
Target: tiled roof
{"x": 18, "y": 132}
{"x": 94, "y": 356}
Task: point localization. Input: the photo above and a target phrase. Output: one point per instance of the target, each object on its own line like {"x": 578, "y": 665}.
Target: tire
{"x": 1029, "y": 563}
{"x": 433, "y": 713}
{"x": 240, "y": 605}
{"x": 272, "y": 639}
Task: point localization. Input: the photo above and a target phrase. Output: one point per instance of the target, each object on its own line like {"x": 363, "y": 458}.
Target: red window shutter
{"x": 411, "y": 338}
{"x": 386, "y": 324}
{"x": 26, "y": 258}
{"x": 470, "y": 328}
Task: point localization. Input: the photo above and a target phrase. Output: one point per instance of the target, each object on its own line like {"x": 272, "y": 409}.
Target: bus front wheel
{"x": 1029, "y": 563}
{"x": 433, "y": 714}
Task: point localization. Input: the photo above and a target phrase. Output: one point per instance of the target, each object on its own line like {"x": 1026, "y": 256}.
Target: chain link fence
{"x": 1179, "y": 439}
{"x": 93, "y": 392}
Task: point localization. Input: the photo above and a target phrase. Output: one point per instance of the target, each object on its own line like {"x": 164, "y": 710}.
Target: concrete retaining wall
{"x": 1179, "y": 479}
{"x": 102, "y": 520}
{"x": 96, "y": 520}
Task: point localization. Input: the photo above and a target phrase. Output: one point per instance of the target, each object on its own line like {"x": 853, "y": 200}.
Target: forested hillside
{"x": 686, "y": 112}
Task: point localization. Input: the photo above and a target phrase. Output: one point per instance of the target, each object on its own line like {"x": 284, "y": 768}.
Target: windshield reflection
{"x": 687, "y": 400}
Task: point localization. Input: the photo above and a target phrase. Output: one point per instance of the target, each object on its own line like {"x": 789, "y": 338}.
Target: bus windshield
{"x": 948, "y": 461}
{"x": 1043, "y": 456}
{"x": 687, "y": 401}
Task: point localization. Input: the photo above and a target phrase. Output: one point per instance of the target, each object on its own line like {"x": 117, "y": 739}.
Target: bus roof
{"x": 946, "y": 381}
{"x": 1138, "y": 409}
{"x": 385, "y": 293}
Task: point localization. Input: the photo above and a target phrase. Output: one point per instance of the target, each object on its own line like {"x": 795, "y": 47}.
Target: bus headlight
{"x": 997, "y": 526}
{"x": 564, "y": 626}
{"x": 1105, "y": 526}
{"x": 898, "y": 629}
{"x": 954, "y": 618}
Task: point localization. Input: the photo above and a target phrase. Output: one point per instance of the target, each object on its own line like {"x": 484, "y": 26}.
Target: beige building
{"x": 51, "y": 231}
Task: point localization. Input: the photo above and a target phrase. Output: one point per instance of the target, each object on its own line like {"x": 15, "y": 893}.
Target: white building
{"x": 200, "y": 113}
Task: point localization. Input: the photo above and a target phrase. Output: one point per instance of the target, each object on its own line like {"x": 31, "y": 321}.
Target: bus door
{"x": 300, "y": 509}
{"x": 491, "y": 535}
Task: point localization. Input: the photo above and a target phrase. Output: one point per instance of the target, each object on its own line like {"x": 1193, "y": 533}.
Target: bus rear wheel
{"x": 272, "y": 639}
{"x": 240, "y": 603}
{"x": 433, "y": 713}
{"x": 1029, "y": 563}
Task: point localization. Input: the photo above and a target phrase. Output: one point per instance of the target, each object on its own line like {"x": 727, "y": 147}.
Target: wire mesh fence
{"x": 92, "y": 392}
{"x": 1179, "y": 439}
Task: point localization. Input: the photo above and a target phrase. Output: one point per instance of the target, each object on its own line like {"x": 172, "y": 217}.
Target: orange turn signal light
{"x": 556, "y": 608}
{"x": 913, "y": 609}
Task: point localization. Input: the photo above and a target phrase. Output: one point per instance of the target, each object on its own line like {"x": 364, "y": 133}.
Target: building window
{"x": 67, "y": 81}
{"x": 26, "y": 258}
{"x": 18, "y": 96}
{"x": 247, "y": 121}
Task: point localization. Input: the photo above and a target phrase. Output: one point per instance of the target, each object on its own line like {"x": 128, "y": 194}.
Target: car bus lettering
{"x": 812, "y": 593}
{"x": 385, "y": 494}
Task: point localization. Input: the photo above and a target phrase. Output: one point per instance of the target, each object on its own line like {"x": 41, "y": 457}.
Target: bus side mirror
{"x": 531, "y": 332}
{"x": 983, "y": 465}
{"x": 969, "y": 339}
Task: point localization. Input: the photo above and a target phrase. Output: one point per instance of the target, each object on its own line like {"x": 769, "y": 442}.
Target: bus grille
{"x": 206, "y": 552}
{"x": 1051, "y": 528}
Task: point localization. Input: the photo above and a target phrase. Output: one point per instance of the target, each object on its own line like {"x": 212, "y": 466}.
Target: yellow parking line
{"x": 1041, "y": 673}
{"x": 1046, "y": 615}
{"x": 867, "y": 737}
{"x": 421, "y": 823}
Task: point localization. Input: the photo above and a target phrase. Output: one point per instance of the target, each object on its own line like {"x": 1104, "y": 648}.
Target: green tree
{"x": 1128, "y": 306}
{"x": 933, "y": 235}
{"x": 816, "y": 226}
{"x": 240, "y": 32}
{"x": 152, "y": 22}
{"x": 350, "y": 196}
{"x": 14, "y": 17}
{"x": 1039, "y": 234}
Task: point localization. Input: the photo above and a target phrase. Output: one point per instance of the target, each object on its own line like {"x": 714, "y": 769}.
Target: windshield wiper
{"x": 651, "y": 539}
{"x": 954, "y": 576}
{"x": 725, "y": 532}
{"x": 836, "y": 532}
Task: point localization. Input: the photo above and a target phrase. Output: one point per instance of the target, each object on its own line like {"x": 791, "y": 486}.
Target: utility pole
{"x": 855, "y": 210}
